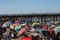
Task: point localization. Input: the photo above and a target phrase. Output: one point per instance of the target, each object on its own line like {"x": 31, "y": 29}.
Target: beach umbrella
{"x": 57, "y": 29}
{"x": 35, "y": 23}
{"x": 22, "y": 31}
{"x": 44, "y": 32}
{"x": 26, "y": 38}
{"x": 41, "y": 30}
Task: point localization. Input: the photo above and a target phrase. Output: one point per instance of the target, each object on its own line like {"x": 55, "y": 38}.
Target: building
{"x": 39, "y": 17}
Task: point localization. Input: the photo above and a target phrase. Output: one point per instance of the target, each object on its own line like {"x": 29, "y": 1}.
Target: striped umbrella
{"x": 22, "y": 31}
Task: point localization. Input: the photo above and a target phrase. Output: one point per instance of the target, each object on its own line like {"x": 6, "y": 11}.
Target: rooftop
{"x": 29, "y": 14}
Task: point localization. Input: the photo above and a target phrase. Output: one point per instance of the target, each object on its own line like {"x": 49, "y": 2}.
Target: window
{"x": 51, "y": 18}
{"x": 47, "y": 19}
{"x": 58, "y": 18}
{"x": 22, "y": 19}
{"x": 34, "y": 19}
{"x": 39, "y": 19}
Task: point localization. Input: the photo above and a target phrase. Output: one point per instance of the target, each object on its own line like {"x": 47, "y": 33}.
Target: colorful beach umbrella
{"x": 35, "y": 23}
{"x": 26, "y": 38}
{"x": 22, "y": 31}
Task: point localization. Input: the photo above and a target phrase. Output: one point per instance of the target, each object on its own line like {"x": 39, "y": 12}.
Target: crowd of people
{"x": 35, "y": 31}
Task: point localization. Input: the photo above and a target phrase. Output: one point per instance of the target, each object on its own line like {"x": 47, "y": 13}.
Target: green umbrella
{"x": 41, "y": 30}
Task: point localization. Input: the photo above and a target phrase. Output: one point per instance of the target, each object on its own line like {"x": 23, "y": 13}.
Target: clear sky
{"x": 29, "y": 6}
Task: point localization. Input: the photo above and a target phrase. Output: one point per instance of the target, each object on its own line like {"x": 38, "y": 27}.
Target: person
{"x": 7, "y": 34}
{"x": 12, "y": 27}
{"x": 1, "y": 33}
{"x": 51, "y": 31}
{"x": 17, "y": 28}
{"x": 45, "y": 27}
{"x": 4, "y": 26}
{"x": 35, "y": 36}
{"x": 53, "y": 25}
{"x": 58, "y": 35}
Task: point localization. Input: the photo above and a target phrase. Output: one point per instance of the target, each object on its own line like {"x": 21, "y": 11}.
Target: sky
{"x": 29, "y": 6}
